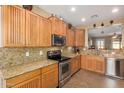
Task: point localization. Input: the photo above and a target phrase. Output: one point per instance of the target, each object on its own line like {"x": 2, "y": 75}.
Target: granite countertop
{"x": 113, "y": 56}
{"x": 27, "y": 67}
{"x": 70, "y": 55}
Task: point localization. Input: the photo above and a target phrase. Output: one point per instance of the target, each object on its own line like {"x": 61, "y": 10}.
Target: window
{"x": 116, "y": 44}
{"x": 100, "y": 43}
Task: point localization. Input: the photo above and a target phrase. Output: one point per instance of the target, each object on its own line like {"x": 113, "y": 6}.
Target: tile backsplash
{"x": 16, "y": 56}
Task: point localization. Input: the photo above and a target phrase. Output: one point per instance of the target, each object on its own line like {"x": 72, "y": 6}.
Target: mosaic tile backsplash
{"x": 15, "y": 56}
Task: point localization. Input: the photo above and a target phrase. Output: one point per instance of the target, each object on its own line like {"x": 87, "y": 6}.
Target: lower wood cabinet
{"x": 50, "y": 76}
{"x": 46, "y": 77}
{"x": 75, "y": 64}
{"x": 31, "y": 83}
{"x": 93, "y": 63}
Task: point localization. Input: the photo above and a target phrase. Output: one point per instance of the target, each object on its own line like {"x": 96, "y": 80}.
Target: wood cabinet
{"x": 44, "y": 32}
{"x": 25, "y": 80}
{"x": 46, "y": 77}
{"x": 23, "y": 28}
{"x": 13, "y": 20}
{"x": 32, "y": 29}
{"x": 93, "y": 63}
{"x": 70, "y": 38}
{"x": 63, "y": 28}
{"x": 58, "y": 26}
{"x": 31, "y": 83}
{"x": 75, "y": 64}
{"x": 50, "y": 76}
{"x": 79, "y": 37}
{"x": 100, "y": 65}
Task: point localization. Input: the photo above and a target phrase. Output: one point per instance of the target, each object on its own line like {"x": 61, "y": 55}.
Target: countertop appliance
{"x": 115, "y": 67}
{"x": 58, "y": 40}
{"x": 64, "y": 66}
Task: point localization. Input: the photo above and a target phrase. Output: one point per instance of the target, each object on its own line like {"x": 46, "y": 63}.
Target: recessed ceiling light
{"x": 115, "y": 10}
{"x": 73, "y": 9}
{"x": 83, "y": 19}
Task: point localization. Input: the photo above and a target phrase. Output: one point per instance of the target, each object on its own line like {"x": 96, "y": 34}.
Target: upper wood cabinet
{"x": 63, "y": 28}
{"x": 13, "y": 20}
{"x": 23, "y": 28}
{"x": 70, "y": 38}
{"x": 79, "y": 37}
{"x": 32, "y": 29}
{"x": 45, "y": 32}
{"x": 58, "y": 26}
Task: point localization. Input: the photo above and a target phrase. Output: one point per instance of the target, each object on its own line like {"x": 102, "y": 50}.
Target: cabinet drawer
{"x": 21, "y": 78}
{"x": 50, "y": 67}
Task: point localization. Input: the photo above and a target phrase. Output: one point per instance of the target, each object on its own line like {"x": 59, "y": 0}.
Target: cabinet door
{"x": 89, "y": 62}
{"x": 45, "y": 32}
{"x": 32, "y": 83}
{"x": 78, "y": 62}
{"x": 75, "y": 64}
{"x": 73, "y": 69}
{"x": 80, "y": 38}
{"x": 13, "y": 26}
{"x": 50, "y": 79}
{"x": 55, "y": 25}
{"x": 70, "y": 38}
{"x": 83, "y": 61}
{"x": 100, "y": 66}
{"x": 63, "y": 28}
{"x": 32, "y": 29}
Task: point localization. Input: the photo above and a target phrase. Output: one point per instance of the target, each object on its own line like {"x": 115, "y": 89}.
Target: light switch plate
{"x": 27, "y": 54}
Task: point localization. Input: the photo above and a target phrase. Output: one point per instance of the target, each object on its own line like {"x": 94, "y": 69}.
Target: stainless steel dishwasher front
{"x": 115, "y": 67}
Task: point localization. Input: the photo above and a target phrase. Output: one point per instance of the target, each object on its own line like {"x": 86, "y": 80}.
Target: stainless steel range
{"x": 64, "y": 66}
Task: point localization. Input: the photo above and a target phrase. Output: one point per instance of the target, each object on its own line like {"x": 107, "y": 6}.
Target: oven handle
{"x": 67, "y": 61}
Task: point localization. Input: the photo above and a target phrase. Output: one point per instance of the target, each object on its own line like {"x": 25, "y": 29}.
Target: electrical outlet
{"x": 61, "y": 50}
{"x": 27, "y": 54}
{"x": 41, "y": 52}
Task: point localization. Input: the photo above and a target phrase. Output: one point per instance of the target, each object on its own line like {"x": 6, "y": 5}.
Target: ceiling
{"x": 104, "y": 12}
{"x": 108, "y": 31}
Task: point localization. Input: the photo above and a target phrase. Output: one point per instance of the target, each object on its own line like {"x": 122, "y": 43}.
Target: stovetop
{"x": 56, "y": 55}
{"x": 61, "y": 59}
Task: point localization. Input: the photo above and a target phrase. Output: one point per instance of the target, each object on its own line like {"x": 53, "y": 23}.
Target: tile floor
{"x": 87, "y": 79}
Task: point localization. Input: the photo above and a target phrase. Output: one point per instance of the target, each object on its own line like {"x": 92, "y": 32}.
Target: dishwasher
{"x": 115, "y": 67}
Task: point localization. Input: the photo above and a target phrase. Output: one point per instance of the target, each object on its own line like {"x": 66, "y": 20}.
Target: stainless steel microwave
{"x": 58, "y": 40}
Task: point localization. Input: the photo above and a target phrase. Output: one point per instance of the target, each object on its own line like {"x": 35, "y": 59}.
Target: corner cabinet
{"x": 32, "y": 29}
{"x": 13, "y": 20}
{"x": 79, "y": 37}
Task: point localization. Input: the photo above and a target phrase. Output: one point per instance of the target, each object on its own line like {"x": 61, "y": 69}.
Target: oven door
{"x": 64, "y": 70}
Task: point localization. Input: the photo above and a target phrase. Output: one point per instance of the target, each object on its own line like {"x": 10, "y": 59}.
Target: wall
{"x": 106, "y": 22}
{"x": 108, "y": 40}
